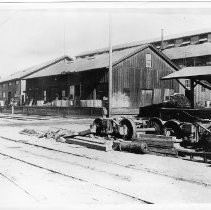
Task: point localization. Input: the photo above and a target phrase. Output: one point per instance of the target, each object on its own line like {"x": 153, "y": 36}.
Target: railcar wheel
{"x": 174, "y": 127}
{"x": 158, "y": 125}
{"x": 205, "y": 140}
{"x": 130, "y": 128}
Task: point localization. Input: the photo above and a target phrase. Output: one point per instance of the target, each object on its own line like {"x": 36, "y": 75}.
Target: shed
{"x": 198, "y": 75}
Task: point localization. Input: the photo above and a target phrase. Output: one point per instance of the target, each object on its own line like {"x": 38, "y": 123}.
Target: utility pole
{"x": 161, "y": 39}
{"x": 64, "y": 34}
{"x": 110, "y": 68}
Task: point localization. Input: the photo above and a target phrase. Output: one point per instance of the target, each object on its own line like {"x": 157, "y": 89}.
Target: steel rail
{"x": 17, "y": 185}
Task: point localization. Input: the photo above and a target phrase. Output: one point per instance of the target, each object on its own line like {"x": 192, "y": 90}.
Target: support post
{"x": 192, "y": 93}
{"x": 110, "y": 69}
{"x": 12, "y": 109}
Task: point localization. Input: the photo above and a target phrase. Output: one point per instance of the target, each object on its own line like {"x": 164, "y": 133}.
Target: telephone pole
{"x": 110, "y": 68}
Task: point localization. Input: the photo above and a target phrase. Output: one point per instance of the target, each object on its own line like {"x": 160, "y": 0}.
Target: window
{"x": 186, "y": 41}
{"x": 45, "y": 94}
{"x": 63, "y": 93}
{"x": 17, "y": 82}
{"x": 4, "y": 94}
{"x": 148, "y": 60}
{"x": 4, "y": 85}
{"x": 203, "y": 38}
{"x": 10, "y": 83}
{"x": 16, "y": 93}
{"x": 170, "y": 44}
{"x": 157, "y": 45}
{"x": 187, "y": 83}
{"x": 203, "y": 89}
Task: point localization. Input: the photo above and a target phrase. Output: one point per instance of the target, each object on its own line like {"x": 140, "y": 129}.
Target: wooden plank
{"x": 103, "y": 147}
{"x": 157, "y": 138}
{"x": 94, "y": 140}
{"x": 163, "y": 151}
{"x": 125, "y": 111}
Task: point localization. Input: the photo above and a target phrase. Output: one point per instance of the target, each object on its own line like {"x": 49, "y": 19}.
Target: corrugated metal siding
{"x": 131, "y": 76}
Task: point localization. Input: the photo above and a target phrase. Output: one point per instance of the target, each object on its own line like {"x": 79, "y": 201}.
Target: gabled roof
{"x": 188, "y": 51}
{"x": 190, "y": 72}
{"x": 138, "y": 43}
{"x": 97, "y": 62}
{"x": 21, "y": 74}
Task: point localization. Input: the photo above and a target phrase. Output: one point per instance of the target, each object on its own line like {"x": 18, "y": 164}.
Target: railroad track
{"x": 17, "y": 185}
{"x": 108, "y": 162}
{"x": 63, "y": 173}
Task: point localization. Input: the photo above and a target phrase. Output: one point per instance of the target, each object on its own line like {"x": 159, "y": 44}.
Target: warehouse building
{"x": 84, "y": 82}
{"x": 14, "y": 86}
{"x": 191, "y": 49}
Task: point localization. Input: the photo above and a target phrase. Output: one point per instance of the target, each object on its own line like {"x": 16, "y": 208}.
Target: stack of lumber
{"x": 91, "y": 103}
{"x": 159, "y": 143}
{"x": 91, "y": 142}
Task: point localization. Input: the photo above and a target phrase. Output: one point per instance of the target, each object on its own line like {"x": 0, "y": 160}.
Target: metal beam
{"x": 203, "y": 84}
{"x": 182, "y": 84}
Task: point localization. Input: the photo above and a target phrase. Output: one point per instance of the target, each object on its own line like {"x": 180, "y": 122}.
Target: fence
{"x": 54, "y": 111}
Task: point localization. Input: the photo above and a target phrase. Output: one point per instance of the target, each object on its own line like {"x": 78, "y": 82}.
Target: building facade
{"x": 185, "y": 50}
{"x": 13, "y": 88}
{"x": 10, "y": 89}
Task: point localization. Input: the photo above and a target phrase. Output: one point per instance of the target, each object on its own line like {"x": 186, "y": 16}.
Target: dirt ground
{"x": 91, "y": 177}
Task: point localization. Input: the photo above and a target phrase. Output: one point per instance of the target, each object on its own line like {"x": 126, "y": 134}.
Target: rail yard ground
{"x": 39, "y": 172}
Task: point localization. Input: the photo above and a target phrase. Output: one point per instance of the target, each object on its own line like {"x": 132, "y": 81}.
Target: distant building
{"x": 14, "y": 86}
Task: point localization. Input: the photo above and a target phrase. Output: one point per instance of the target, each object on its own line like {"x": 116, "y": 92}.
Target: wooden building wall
{"x": 135, "y": 85}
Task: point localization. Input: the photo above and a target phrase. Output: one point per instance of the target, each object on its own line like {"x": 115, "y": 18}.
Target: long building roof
{"x": 97, "y": 62}
{"x": 190, "y": 72}
{"x": 138, "y": 43}
{"x": 188, "y": 51}
{"x": 21, "y": 74}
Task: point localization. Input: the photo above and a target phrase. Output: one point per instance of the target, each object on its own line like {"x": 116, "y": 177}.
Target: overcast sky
{"x": 32, "y": 35}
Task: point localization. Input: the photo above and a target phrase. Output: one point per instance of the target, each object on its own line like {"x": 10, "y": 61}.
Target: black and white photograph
{"x": 105, "y": 105}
